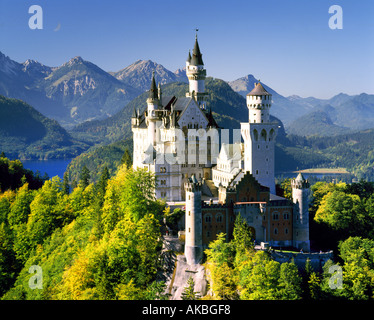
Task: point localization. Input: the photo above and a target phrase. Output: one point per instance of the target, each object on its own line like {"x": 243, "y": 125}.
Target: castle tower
{"x": 196, "y": 75}
{"x": 259, "y": 137}
{"x": 153, "y": 103}
{"x": 193, "y": 248}
{"x": 300, "y": 196}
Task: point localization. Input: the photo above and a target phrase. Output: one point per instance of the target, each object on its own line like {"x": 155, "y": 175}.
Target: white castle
{"x": 178, "y": 137}
{"x": 178, "y": 140}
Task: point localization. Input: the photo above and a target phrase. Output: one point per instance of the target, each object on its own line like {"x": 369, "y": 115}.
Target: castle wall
{"x": 280, "y": 226}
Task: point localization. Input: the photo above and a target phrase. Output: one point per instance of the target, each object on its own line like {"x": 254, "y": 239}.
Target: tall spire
{"x": 197, "y": 57}
{"x": 153, "y": 92}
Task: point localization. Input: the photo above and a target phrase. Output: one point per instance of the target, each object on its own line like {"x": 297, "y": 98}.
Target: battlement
{"x": 300, "y": 182}
{"x": 213, "y": 205}
{"x": 193, "y": 185}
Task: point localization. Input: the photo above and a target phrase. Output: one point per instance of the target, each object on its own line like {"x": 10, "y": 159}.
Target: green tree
{"x": 48, "y": 211}
{"x": 20, "y": 208}
{"x": 189, "y": 292}
{"x": 220, "y": 258}
{"x": 242, "y": 237}
{"x": 65, "y": 183}
{"x": 84, "y": 179}
{"x": 126, "y": 159}
{"x": 130, "y": 194}
{"x": 341, "y": 211}
{"x": 314, "y": 286}
{"x": 289, "y": 282}
{"x": 259, "y": 278}
{"x": 286, "y": 188}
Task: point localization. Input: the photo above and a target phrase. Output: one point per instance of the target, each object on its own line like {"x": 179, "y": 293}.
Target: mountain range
{"x": 79, "y": 91}
{"x": 340, "y": 114}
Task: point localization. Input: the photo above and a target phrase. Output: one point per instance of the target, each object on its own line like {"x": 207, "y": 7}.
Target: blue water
{"x": 51, "y": 167}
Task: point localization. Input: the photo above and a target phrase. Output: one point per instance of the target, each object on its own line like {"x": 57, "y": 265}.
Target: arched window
{"x": 219, "y": 218}
{"x": 263, "y": 134}
{"x": 271, "y": 134}
{"x": 275, "y": 216}
{"x": 208, "y": 218}
{"x": 255, "y": 134}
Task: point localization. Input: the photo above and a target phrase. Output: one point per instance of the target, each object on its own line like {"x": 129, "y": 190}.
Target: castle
{"x": 178, "y": 140}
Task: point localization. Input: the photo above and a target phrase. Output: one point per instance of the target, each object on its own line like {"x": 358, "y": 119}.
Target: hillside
{"x": 97, "y": 158}
{"x": 316, "y": 123}
{"x": 352, "y": 112}
{"x": 26, "y": 134}
{"x": 228, "y": 108}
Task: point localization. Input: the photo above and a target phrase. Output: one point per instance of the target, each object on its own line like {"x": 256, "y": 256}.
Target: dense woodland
{"x": 102, "y": 240}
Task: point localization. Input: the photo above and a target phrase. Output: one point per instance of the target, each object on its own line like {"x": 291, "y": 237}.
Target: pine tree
{"x": 84, "y": 177}
{"x": 188, "y": 292}
{"x": 242, "y": 236}
{"x": 126, "y": 158}
{"x": 65, "y": 183}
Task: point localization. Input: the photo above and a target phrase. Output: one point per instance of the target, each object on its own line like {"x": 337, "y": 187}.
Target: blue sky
{"x": 287, "y": 44}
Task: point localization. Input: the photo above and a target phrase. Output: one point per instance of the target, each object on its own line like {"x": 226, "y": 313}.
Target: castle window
{"x": 286, "y": 231}
{"x": 208, "y": 218}
{"x": 286, "y": 216}
{"x": 275, "y": 231}
{"x": 256, "y": 171}
{"x": 208, "y": 234}
{"x": 219, "y": 218}
{"x": 275, "y": 216}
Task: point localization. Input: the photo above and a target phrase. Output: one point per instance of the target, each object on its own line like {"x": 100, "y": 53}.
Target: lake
{"x": 317, "y": 175}
{"x": 51, "y": 167}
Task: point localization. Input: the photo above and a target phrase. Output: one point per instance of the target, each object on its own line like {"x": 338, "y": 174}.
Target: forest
{"x": 103, "y": 240}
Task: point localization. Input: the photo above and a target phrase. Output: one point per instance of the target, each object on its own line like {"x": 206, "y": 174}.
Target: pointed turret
{"x": 153, "y": 92}
{"x": 197, "y": 57}
{"x": 189, "y": 56}
{"x": 134, "y": 115}
{"x": 196, "y": 76}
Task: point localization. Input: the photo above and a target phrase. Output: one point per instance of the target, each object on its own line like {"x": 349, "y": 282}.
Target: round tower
{"x": 259, "y": 137}
{"x": 196, "y": 75}
{"x": 258, "y": 103}
{"x": 193, "y": 248}
{"x": 300, "y": 197}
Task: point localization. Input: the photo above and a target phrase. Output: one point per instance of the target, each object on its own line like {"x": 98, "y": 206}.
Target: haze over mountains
{"x": 79, "y": 91}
